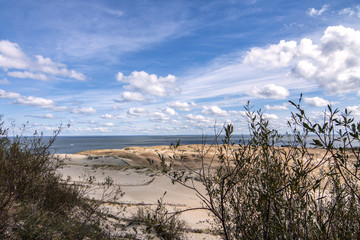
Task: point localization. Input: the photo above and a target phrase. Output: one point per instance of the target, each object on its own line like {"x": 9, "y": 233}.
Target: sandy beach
{"x": 136, "y": 171}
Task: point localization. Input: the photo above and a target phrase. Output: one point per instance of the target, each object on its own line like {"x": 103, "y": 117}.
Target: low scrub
{"x": 35, "y": 203}
{"x": 257, "y": 190}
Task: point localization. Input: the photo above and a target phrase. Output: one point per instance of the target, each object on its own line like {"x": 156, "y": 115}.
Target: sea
{"x": 74, "y": 144}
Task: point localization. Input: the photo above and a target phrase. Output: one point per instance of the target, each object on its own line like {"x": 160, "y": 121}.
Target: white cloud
{"x": 132, "y": 96}
{"x": 334, "y": 64}
{"x": 316, "y": 102}
{"x": 109, "y": 116}
{"x": 8, "y": 95}
{"x": 350, "y": 11}
{"x": 12, "y": 57}
{"x": 198, "y": 119}
{"x": 84, "y": 110}
{"x": 355, "y": 110}
{"x": 109, "y": 124}
{"x": 149, "y": 84}
{"x": 271, "y": 116}
{"x": 238, "y": 113}
{"x": 315, "y": 12}
{"x": 159, "y": 117}
{"x": 347, "y": 11}
{"x": 271, "y": 91}
{"x": 137, "y": 112}
{"x": 214, "y": 111}
{"x": 26, "y": 74}
{"x": 275, "y": 56}
{"x": 49, "y": 116}
{"x": 101, "y": 129}
{"x": 183, "y": 106}
{"x": 35, "y": 101}
{"x": 46, "y": 65}
{"x": 31, "y": 101}
{"x": 119, "y": 76}
{"x": 169, "y": 111}
{"x": 276, "y": 107}
{"x": 59, "y": 108}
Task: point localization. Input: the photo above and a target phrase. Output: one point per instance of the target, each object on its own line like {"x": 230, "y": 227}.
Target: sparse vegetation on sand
{"x": 261, "y": 191}
{"x": 251, "y": 190}
{"x": 35, "y": 202}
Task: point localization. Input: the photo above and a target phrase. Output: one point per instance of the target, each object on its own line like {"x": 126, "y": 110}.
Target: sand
{"x": 136, "y": 170}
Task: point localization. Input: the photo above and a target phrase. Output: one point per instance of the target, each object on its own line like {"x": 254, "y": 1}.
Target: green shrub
{"x": 258, "y": 190}
{"x": 35, "y": 203}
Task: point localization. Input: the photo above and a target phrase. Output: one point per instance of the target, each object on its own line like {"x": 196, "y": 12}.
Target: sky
{"x": 166, "y": 67}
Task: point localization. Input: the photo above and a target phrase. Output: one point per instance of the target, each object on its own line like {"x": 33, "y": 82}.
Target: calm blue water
{"x": 66, "y": 144}
{"x": 74, "y": 144}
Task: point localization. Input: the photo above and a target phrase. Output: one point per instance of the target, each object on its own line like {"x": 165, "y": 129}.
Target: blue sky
{"x": 174, "y": 67}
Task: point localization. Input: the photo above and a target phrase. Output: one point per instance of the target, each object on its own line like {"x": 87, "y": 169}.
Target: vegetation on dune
{"x": 35, "y": 203}
{"x": 262, "y": 191}
{"x": 253, "y": 190}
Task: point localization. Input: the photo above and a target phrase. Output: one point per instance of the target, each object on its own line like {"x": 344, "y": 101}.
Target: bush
{"x": 261, "y": 191}
{"x": 35, "y": 203}
{"x": 159, "y": 221}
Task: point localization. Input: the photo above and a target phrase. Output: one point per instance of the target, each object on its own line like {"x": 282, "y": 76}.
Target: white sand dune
{"x": 142, "y": 187}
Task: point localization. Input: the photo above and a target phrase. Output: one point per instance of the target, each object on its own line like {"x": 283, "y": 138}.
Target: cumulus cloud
{"x": 315, "y": 12}
{"x": 159, "y": 117}
{"x": 275, "y": 56}
{"x": 316, "y": 101}
{"x": 271, "y": 91}
{"x": 109, "y": 116}
{"x": 183, "y": 106}
{"x": 46, "y": 65}
{"x": 31, "y": 101}
{"x": 131, "y": 96}
{"x": 276, "y": 107}
{"x": 197, "y": 119}
{"x": 355, "y": 110}
{"x": 35, "y": 101}
{"x": 334, "y": 63}
{"x": 59, "y": 108}
{"x": 214, "y": 111}
{"x": 169, "y": 111}
{"x": 150, "y": 84}
{"x": 238, "y": 113}
{"x": 109, "y": 124}
{"x": 12, "y": 57}
{"x": 8, "y": 95}
{"x": 49, "y": 116}
{"x": 84, "y": 110}
{"x": 271, "y": 116}
{"x": 137, "y": 112}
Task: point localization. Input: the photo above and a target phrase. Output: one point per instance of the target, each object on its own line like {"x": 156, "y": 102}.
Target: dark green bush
{"x": 35, "y": 203}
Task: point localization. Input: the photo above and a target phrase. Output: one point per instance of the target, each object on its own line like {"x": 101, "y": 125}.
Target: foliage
{"x": 259, "y": 190}
{"x": 35, "y": 203}
{"x": 166, "y": 226}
